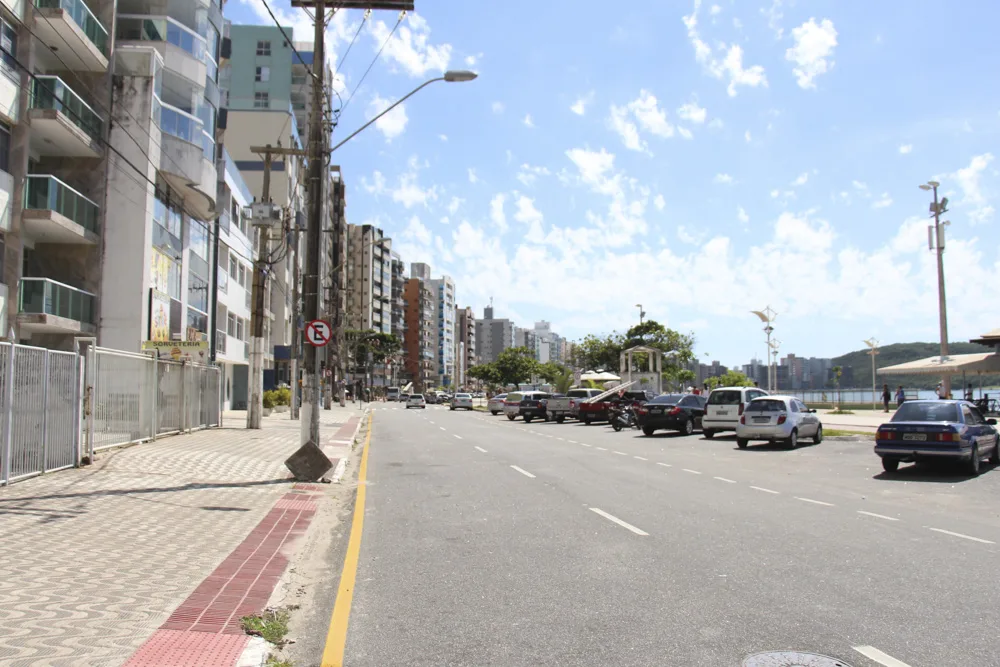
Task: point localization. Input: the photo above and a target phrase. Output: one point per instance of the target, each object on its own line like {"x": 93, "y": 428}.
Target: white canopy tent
{"x": 978, "y": 363}
{"x": 602, "y": 376}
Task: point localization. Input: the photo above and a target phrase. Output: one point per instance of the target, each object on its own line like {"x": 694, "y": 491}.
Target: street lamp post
{"x": 767, "y": 316}
{"x": 873, "y": 350}
{"x": 935, "y": 241}
{"x": 642, "y": 313}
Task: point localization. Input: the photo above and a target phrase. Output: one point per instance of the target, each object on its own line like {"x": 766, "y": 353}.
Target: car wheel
{"x": 561, "y": 418}
{"x": 648, "y": 431}
{"x": 890, "y": 465}
{"x": 974, "y": 462}
{"x": 793, "y": 440}
{"x": 452, "y": 409}
{"x": 818, "y": 438}
{"x": 995, "y": 456}
{"x": 742, "y": 443}
{"x": 510, "y": 417}
{"x": 688, "y": 427}
{"x": 527, "y": 419}
{"x": 709, "y": 434}
{"x": 494, "y": 413}
{"x": 586, "y": 420}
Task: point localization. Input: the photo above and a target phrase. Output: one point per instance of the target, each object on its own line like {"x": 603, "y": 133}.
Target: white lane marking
{"x": 878, "y": 516}
{"x": 480, "y": 449}
{"x": 428, "y": 420}
{"x": 878, "y": 656}
{"x": 563, "y": 439}
{"x": 665, "y": 465}
{"x": 640, "y": 458}
{"x": 603, "y": 449}
{"x": 620, "y": 453}
{"x": 523, "y": 472}
{"x": 966, "y": 537}
{"x": 573, "y": 442}
{"x": 814, "y": 502}
{"x": 761, "y": 488}
{"x": 723, "y": 479}
{"x": 615, "y": 519}
{"x": 442, "y": 428}
{"x": 457, "y": 436}
{"x": 585, "y": 444}
{"x": 693, "y": 472}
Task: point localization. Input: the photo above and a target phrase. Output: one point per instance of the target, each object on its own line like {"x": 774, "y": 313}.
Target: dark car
{"x": 935, "y": 430}
{"x": 533, "y": 406}
{"x": 600, "y": 411}
{"x": 672, "y": 412}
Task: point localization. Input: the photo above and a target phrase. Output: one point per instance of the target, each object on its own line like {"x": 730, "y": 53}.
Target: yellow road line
{"x": 336, "y": 635}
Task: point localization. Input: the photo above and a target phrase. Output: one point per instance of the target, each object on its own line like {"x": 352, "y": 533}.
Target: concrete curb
{"x": 338, "y": 472}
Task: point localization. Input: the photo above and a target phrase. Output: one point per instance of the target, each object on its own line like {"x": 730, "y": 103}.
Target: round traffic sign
{"x": 318, "y": 333}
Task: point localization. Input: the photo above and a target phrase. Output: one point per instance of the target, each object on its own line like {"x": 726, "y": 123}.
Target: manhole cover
{"x": 792, "y": 659}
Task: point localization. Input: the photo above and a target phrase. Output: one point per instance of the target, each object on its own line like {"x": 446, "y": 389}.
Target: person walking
{"x": 900, "y": 396}
{"x": 968, "y": 393}
{"x": 941, "y": 392}
{"x": 886, "y": 397}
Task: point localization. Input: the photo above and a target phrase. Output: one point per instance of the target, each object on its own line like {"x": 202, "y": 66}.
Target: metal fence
{"x": 58, "y": 407}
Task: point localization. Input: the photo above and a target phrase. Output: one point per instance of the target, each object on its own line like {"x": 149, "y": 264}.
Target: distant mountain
{"x": 857, "y": 365}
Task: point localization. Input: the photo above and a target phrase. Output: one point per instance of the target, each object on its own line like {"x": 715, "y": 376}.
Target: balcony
{"x": 6, "y": 200}
{"x": 56, "y": 213}
{"x": 50, "y": 307}
{"x": 62, "y": 124}
{"x": 10, "y": 93}
{"x": 187, "y": 161}
{"x": 72, "y": 31}
{"x": 184, "y": 51}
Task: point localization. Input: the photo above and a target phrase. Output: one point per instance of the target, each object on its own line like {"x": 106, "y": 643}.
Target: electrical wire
{"x": 350, "y": 97}
{"x": 340, "y": 61}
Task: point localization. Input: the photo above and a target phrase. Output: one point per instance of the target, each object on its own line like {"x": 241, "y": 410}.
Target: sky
{"x": 704, "y": 159}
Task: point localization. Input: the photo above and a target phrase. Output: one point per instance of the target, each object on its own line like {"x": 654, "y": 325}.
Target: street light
{"x": 642, "y": 313}
{"x": 873, "y": 350}
{"x": 451, "y": 76}
{"x": 935, "y": 241}
{"x": 767, "y": 316}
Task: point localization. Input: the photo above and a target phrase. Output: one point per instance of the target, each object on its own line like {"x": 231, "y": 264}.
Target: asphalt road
{"x": 488, "y": 542}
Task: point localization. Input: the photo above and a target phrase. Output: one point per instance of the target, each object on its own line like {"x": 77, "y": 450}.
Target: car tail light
{"x": 883, "y": 435}
{"x": 741, "y": 409}
{"x": 743, "y": 419}
{"x": 675, "y": 411}
{"x": 572, "y": 404}
{"x": 643, "y": 411}
{"x": 948, "y": 437}
{"x": 782, "y": 419}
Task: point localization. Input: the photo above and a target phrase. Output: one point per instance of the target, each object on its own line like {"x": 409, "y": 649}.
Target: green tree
{"x": 676, "y": 375}
{"x": 564, "y": 381}
{"x": 836, "y": 372}
{"x": 516, "y": 365}
{"x": 487, "y": 373}
{"x": 549, "y": 371}
{"x": 729, "y": 379}
{"x": 595, "y": 352}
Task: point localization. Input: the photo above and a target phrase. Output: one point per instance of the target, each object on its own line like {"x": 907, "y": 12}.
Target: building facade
{"x": 369, "y": 279}
{"x": 465, "y": 335}
{"x": 421, "y": 321}
{"x": 493, "y": 336}
{"x": 444, "y": 335}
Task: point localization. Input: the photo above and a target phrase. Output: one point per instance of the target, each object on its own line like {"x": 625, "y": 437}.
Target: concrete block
{"x": 308, "y": 463}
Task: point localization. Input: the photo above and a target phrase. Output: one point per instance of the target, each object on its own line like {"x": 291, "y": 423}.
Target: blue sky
{"x": 701, "y": 158}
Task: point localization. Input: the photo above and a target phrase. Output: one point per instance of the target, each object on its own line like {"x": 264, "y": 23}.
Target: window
{"x": 8, "y": 44}
{"x": 262, "y": 75}
{"x": 263, "y": 47}
{"x": 243, "y": 277}
{"x": 199, "y": 239}
{"x": 234, "y": 267}
{"x": 794, "y": 405}
{"x": 240, "y": 328}
{"x": 197, "y": 292}
{"x": 4, "y": 147}
{"x": 231, "y": 324}
{"x": 261, "y": 100}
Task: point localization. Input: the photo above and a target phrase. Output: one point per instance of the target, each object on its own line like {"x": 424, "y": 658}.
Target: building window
{"x": 234, "y": 267}
{"x": 197, "y": 293}
{"x": 8, "y": 45}
{"x": 261, "y": 100}
{"x": 243, "y": 277}
{"x": 5, "y": 147}
{"x": 231, "y": 325}
{"x": 240, "y": 328}
{"x": 199, "y": 239}
{"x": 262, "y": 75}
{"x": 263, "y": 47}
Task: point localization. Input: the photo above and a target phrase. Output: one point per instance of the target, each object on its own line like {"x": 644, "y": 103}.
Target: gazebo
{"x": 651, "y": 379}
{"x": 978, "y": 363}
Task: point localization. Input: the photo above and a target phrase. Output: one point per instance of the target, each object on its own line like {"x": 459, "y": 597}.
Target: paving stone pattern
{"x": 93, "y": 560}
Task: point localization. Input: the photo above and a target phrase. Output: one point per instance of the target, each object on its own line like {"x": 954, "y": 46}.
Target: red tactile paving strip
{"x": 346, "y": 429}
{"x": 205, "y": 628}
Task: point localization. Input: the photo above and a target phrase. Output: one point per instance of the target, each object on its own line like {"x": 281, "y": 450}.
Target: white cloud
{"x": 454, "y": 205}
{"x": 746, "y": 136}
{"x": 659, "y": 202}
{"x": 738, "y": 24}
{"x": 527, "y": 214}
{"x": 715, "y": 9}
{"x": 416, "y": 231}
{"x": 408, "y": 192}
{"x": 498, "y": 107}
{"x": 741, "y": 215}
{"x": 580, "y": 106}
{"x": 883, "y": 202}
{"x": 473, "y": 60}
{"x": 687, "y": 237}
{"x": 393, "y": 123}
{"x": 973, "y": 196}
{"x": 715, "y": 124}
{"x": 527, "y": 121}
{"x": 626, "y": 129}
{"x": 443, "y": 137}
{"x": 773, "y": 15}
{"x": 410, "y": 47}
{"x": 693, "y": 113}
{"x": 684, "y": 132}
{"x": 724, "y": 179}
{"x": 497, "y": 215}
{"x": 648, "y": 116}
{"x": 723, "y": 62}
{"x": 528, "y": 174}
{"x": 801, "y": 180}
{"x": 814, "y": 43}
{"x": 473, "y": 178}
{"x": 905, "y": 149}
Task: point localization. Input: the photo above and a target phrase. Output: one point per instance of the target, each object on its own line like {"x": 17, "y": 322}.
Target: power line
{"x": 340, "y": 62}
{"x": 350, "y": 97}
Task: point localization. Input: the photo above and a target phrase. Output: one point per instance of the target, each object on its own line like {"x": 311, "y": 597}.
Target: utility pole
{"x": 263, "y": 215}
{"x": 873, "y": 350}
{"x": 935, "y": 241}
{"x": 296, "y": 333}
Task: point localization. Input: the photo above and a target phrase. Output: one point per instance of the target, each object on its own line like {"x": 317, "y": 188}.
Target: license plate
{"x": 722, "y": 413}
{"x": 761, "y": 420}
{"x": 914, "y": 436}
{"x": 656, "y": 411}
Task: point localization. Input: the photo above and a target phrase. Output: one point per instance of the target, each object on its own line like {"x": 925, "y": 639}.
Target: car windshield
{"x": 667, "y": 399}
{"x": 463, "y": 396}
{"x": 926, "y": 412}
{"x": 514, "y": 397}
{"x": 725, "y": 397}
{"x": 766, "y": 405}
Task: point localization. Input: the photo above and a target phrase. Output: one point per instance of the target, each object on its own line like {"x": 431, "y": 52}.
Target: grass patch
{"x": 836, "y": 432}
{"x": 272, "y": 625}
{"x": 838, "y": 411}
{"x": 480, "y": 408}
{"x": 274, "y": 661}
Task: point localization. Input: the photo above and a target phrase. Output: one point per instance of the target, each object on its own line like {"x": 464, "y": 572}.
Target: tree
{"x": 593, "y": 353}
{"x": 729, "y": 379}
{"x": 550, "y": 371}
{"x": 516, "y": 365}
{"x": 381, "y": 345}
{"x": 836, "y": 372}
{"x": 564, "y": 381}
{"x": 487, "y": 373}
{"x": 680, "y": 376}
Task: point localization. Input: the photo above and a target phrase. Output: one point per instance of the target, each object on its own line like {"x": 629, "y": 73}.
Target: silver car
{"x": 463, "y": 401}
{"x": 495, "y": 404}
{"x": 778, "y": 419}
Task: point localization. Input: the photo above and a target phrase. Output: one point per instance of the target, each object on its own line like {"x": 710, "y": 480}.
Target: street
{"x": 489, "y": 542}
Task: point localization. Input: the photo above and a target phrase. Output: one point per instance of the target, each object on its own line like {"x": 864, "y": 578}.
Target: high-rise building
{"x": 444, "y": 336}
{"x": 369, "y": 280}
{"x": 493, "y": 336}
{"x": 421, "y": 322}
{"x": 465, "y": 334}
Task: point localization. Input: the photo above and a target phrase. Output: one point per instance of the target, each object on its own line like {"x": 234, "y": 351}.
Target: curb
{"x": 338, "y": 472}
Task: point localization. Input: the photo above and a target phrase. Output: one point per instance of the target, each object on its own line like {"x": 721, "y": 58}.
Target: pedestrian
{"x": 886, "y": 397}
{"x": 968, "y": 393}
{"x": 900, "y": 396}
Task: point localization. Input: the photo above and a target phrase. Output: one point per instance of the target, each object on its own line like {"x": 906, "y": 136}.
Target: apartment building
{"x": 419, "y": 351}
{"x": 369, "y": 279}
{"x": 493, "y": 336}
{"x": 465, "y": 349}
{"x": 444, "y": 335}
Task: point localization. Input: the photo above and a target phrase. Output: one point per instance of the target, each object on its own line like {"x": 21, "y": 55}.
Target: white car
{"x": 416, "y": 401}
{"x": 463, "y": 401}
{"x": 778, "y": 419}
{"x": 725, "y": 406}
{"x": 495, "y": 404}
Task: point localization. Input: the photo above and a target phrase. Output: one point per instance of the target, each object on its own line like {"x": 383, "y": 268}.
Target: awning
{"x": 603, "y": 376}
{"x": 992, "y": 338}
{"x": 981, "y": 362}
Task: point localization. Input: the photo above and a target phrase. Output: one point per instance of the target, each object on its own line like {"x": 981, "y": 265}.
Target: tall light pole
{"x": 642, "y": 313}
{"x": 767, "y": 316}
{"x": 774, "y": 345}
{"x": 873, "y": 350}
{"x": 935, "y": 241}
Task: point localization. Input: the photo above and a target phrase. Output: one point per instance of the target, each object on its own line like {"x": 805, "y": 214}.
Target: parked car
{"x": 534, "y": 405}
{"x": 600, "y": 411}
{"x": 392, "y": 394}
{"x": 672, "y": 412}
{"x": 495, "y": 404}
{"x": 416, "y": 401}
{"x": 560, "y": 407}
{"x": 463, "y": 401}
{"x": 512, "y": 404}
{"x": 725, "y": 406}
{"x": 778, "y": 419}
{"x": 933, "y": 429}
{"x": 403, "y": 398}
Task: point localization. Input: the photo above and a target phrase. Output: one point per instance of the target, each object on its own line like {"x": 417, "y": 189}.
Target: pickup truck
{"x": 600, "y": 411}
{"x": 569, "y": 405}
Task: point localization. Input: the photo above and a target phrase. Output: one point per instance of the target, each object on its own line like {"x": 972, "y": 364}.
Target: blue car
{"x": 936, "y": 430}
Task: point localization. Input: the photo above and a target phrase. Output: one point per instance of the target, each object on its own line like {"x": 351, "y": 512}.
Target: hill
{"x": 857, "y": 365}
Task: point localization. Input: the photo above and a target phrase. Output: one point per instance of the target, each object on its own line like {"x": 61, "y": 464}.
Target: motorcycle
{"x": 624, "y": 417}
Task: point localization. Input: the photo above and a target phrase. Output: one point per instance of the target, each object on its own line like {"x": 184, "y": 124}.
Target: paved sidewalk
{"x": 94, "y": 560}
{"x": 866, "y": 421}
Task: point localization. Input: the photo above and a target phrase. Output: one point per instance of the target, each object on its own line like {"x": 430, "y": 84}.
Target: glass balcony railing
{"x": 50, "y": 92}
{"x": 84, "y": 18}
{"x": 47, "y": 193}
{"x": 42, "y": 296}
{"x": 134, "y": 28}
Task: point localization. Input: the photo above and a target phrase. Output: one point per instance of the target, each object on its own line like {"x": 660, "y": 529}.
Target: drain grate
{"x": 792, "y": 659}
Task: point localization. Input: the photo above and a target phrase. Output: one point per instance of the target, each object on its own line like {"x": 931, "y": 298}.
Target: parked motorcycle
{"x": 624, "y": 417}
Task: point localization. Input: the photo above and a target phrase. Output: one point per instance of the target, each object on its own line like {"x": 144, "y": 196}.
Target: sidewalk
{"x": 866, "y": 421}
{"x": 171, "y": 541}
